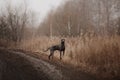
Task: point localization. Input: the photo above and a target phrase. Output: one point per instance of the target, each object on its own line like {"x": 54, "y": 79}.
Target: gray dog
{"x": 60, "y": 48}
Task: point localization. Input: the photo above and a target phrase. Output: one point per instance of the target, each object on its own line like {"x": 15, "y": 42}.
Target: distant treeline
{"x": 73, "y": 18}
{"x": 80, "y": 17}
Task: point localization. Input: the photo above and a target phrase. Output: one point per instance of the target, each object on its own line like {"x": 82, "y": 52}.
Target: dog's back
{"x": 56, "y": 47}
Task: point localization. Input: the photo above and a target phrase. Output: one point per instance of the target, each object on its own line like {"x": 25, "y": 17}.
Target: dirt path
{"x": 41, "y": 66}
{"x": 27, "y": 67}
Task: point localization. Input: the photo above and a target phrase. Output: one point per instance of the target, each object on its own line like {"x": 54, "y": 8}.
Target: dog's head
{"x": 62, "y": 41}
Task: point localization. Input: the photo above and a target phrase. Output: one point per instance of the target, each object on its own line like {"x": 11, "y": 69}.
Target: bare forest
{"x": 91, "y": 29}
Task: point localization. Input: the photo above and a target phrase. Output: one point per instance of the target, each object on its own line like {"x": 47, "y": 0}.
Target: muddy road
{"x": 20, "y": 65}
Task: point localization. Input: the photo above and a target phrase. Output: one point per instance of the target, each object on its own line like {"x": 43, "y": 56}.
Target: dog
{"x": 60, "y": 48}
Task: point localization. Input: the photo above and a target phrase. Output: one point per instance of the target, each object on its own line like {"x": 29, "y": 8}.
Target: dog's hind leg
{"x": 51, "y": 54}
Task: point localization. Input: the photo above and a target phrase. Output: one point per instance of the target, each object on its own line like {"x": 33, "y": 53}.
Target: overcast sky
{"x": 41, "y": 7}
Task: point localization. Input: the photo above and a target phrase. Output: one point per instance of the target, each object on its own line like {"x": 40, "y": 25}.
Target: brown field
{"x": 97, "y": 55}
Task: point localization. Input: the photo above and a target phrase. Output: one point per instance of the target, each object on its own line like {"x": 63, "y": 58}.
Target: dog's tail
{"x": 46, "y": 50}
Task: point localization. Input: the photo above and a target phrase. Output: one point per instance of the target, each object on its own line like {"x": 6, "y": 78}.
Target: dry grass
{"x": 7, "y": 43}
{"x": 97, "y": 55}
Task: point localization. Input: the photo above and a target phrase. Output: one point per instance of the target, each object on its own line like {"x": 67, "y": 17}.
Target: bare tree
{"x": 14, "y": 21}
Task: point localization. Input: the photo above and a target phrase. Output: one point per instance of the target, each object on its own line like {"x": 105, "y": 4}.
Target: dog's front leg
{"x": 60, "y": 55}
{"x": 63, "y": 52}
